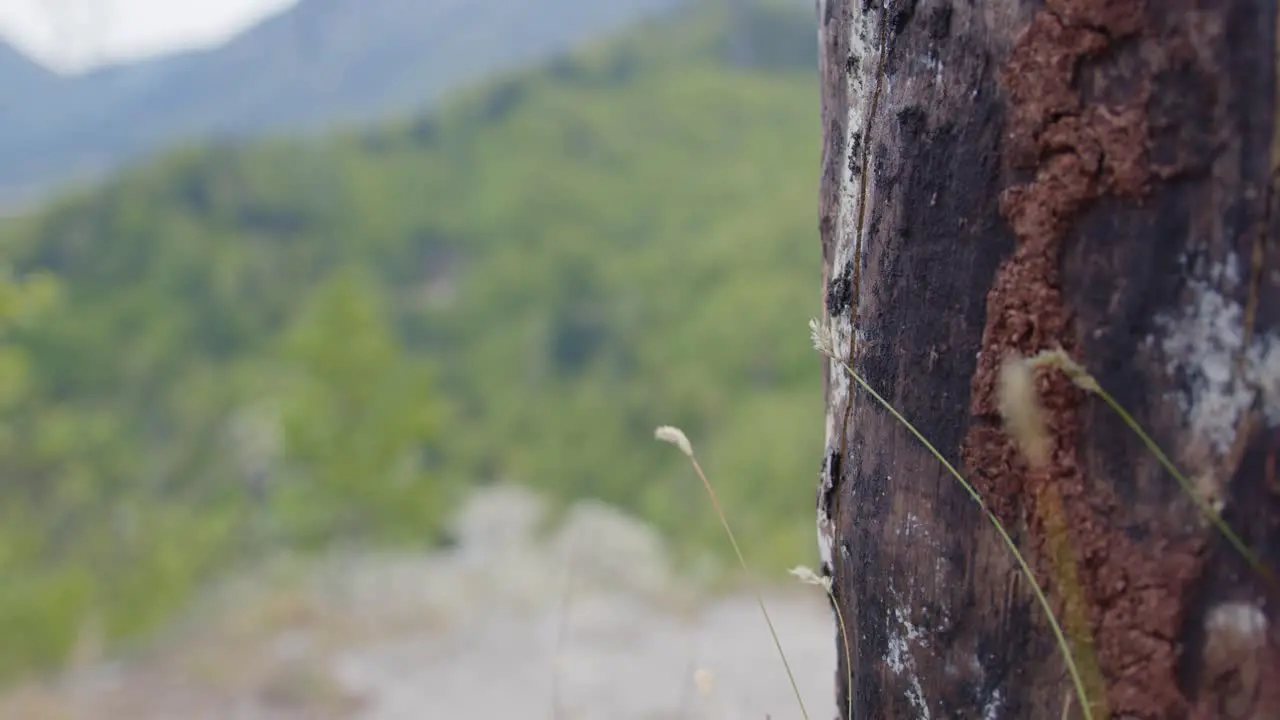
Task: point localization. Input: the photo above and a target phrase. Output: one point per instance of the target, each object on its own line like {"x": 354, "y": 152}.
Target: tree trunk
{"x": 1013, "y": 176}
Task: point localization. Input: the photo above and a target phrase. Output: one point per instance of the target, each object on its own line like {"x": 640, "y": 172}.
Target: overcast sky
{"x": 75, "y": 33}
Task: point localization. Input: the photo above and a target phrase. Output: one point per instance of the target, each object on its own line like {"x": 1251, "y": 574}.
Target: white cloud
{"x": 80, "y": 33}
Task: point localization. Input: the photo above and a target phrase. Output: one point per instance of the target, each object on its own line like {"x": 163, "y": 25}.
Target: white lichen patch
{"x": 826, "y": 539}
{"x": 913, "y": 528}
{"x": 934, "y": 63}
{"x": 991, "y": 711}
{"x": 864, "y": 46}
{"x": 1262, "y": 371}
{"x": 1203, "y": 346}
{"x": 903, "y": 635}
{"x": 828, "y": 340}
{"x": 839, "y": 329}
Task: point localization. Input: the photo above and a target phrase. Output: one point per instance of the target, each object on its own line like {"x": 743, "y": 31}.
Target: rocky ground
{"x": 586, "y": 623}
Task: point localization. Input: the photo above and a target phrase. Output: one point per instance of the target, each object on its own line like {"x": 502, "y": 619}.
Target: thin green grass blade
{"x": 1213, "y": 515}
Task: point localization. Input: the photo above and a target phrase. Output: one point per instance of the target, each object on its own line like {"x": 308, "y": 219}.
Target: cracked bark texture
{"x": 1012, "y": 176}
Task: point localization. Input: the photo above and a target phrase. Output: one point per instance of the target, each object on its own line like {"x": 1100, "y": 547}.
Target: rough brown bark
{"x": 1014, "y": 176}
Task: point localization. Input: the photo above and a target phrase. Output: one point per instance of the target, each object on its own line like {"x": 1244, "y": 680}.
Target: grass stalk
{"x": 809, "y": 577}
{"x": 676, "y": 437}
{"x": 1058, "y": 359}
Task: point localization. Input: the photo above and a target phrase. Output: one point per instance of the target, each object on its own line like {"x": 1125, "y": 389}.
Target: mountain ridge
{"x": 317, "y": 65}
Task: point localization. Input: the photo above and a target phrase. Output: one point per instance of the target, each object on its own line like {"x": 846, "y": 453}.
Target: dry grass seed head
{"x": 1021, "y": 410}
{"x": 674, "y": 436}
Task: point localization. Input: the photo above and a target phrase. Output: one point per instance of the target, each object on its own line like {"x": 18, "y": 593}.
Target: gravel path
{"x": 588, "y": 624}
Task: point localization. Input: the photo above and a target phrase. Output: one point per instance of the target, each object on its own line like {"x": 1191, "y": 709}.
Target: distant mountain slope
{"x": 19, "y": 75}
{"x": 295, "y": 344}
{"x": 321, "y": 63}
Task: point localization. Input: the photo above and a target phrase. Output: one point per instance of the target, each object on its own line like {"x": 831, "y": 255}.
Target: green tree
{"x": 358, "y": 413}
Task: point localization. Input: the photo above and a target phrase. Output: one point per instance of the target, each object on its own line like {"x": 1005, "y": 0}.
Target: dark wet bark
{"x": 1013, "y": 176}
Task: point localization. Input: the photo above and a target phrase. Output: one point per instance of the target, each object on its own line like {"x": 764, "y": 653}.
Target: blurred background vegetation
{"x": 297, "y": 342}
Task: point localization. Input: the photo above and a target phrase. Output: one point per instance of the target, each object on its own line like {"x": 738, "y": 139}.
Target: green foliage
{"x": 307, "y": 343}
{"x": 358, "y": 413}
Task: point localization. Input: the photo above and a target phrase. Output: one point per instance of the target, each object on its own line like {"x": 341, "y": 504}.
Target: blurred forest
{"x": 296, "y": 345}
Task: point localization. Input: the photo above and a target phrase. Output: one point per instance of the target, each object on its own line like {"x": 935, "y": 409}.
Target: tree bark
{"x": 1013, "y": 176}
